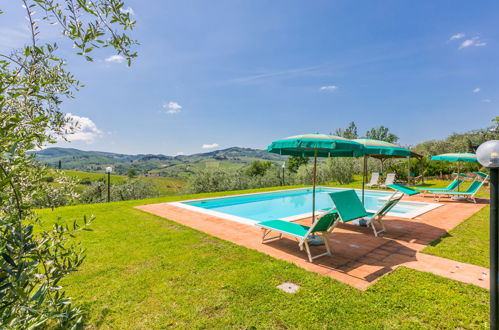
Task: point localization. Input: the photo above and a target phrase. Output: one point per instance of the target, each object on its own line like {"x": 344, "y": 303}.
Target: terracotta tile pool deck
{"x": 359, "y": 258}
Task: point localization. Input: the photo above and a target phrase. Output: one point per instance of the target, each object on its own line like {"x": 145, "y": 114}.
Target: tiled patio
{"x": 359, "y": 257}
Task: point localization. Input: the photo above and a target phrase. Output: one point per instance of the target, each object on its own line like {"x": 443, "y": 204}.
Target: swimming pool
{"x": 293, "y": 204}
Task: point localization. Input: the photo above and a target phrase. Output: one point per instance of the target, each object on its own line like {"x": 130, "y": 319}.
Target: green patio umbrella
{"x": 316, "y": 145}
{"x": 458, "y": 157}
{"x": 381, "y": 150}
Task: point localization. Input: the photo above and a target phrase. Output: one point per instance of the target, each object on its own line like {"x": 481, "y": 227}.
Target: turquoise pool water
{"x": 295, "y": 202}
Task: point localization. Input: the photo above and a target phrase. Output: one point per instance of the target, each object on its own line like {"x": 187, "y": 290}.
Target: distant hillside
{"x": 160, "y": 165}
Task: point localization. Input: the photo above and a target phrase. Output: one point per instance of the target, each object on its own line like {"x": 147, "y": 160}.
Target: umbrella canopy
{"x": 382, "y": 148}
{"x": 316, "y": 145}
{"x": 320, "y": 145}
{"x": 457, "y": 157}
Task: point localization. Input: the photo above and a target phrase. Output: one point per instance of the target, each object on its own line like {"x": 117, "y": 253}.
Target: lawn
{"x": 143, "y": 271}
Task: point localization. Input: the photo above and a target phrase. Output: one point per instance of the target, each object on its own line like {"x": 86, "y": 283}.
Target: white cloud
{"x": 209, "y": 146}
{"x": 457, "y": 36}
{"x": 115, "y": 59}
{"x": 476, "y": 90}
{"x": 486, "y": 100}
{"x": 329, "y": 88}
{"x": 283, "y": 74}
{"x": 466, "y": 43}
{"x": 172, "y": 108}
{"x": 180, "y": 153}
{"x": 128, "y": 10}
{"x": 81, "y": 129}
{"x": 472, "y": 42}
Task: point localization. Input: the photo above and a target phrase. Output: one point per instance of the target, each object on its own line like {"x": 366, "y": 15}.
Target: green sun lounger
{"x": 484, "y": 176}
{"x": 350, "y": 208}
{"x": 404, "y": 189}
{"x": 324, "y": 225}
{"x": 469, "y": 193}
{"x": 452, "y": 186}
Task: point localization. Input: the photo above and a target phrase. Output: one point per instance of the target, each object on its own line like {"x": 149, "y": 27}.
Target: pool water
{"x": 288, "y": 204}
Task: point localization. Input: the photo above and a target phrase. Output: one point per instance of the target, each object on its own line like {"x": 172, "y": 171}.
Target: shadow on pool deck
{"x": 359, "y": 258}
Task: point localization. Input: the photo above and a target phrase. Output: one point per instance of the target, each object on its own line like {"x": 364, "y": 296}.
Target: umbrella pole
{"x": 458, "y": 173}
{"x": 421, "y": 169}
{"x": 408, "y": 171}
{"x": 364, "y": 174}
{"x": 315, "y": 240}
{"x": 314, "y": 181}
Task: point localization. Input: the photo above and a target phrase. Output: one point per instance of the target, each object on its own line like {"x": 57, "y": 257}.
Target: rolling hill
{"x": 149, "y": 164}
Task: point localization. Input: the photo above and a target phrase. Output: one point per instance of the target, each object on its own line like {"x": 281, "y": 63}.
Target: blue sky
{"x": 216, "y": 74}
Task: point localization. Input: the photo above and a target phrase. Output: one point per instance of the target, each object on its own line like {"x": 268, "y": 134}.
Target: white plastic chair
{"x": 374, "y": 180}
{"x": 390, "y": 179}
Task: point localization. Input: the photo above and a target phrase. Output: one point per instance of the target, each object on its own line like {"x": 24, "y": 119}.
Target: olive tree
{"x": 33, "y": 83}
{"x": 382, "y": 133}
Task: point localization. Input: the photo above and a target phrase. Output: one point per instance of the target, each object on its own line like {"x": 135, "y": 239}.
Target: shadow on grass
{"x": 440, "y": 239}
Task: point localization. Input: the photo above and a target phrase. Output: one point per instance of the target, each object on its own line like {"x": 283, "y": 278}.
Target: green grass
{"x": 143, "y": 271}
{"x": 468, "y": 242}
{"x": 79, "y": 175}
{"x": 166, "y": 186}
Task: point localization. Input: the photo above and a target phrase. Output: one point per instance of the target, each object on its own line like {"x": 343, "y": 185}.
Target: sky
{"x": 222, "y": 73}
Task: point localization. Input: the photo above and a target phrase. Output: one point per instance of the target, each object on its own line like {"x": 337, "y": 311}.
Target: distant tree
{"x": 350, "y": 132}
{"x": 294, "y": 163}
{"x": 339, "y": 170}
{"x": 456, "y": 142}
{"x": 381, "y": 133}
{"x": 96, "y": 192}
{"x": 230, "y": 179}
{"x": 433, "y": 147}
{"x": 258, "y": 168}
{"x": 131, "y": 173}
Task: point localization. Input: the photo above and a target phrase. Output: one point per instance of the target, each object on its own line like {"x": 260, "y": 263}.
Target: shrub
{"x": 339, "y": 170}
{"x": 226, "y": 180}
{"x": 85, "y": 181}
{"x": 127, "y": 190}
{"x": 304, "y": 175}
{"x": 216, "y": 180}
{"x": 131, "y": 173}
{"x": 59, "y": 191}
{"x": 294, "y": 163}
{"x": 258, "y": 168}
{"x": 133, "y": 189}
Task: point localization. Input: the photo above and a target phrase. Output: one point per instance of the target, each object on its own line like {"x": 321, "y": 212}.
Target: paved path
{"x": 359, "y": 259}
